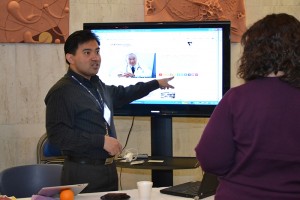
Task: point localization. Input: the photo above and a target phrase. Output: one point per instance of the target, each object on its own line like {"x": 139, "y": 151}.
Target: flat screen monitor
{"x": 197, "y": 54}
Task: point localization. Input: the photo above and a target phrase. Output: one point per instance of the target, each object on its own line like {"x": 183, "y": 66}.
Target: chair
{"x": 26, "y": 180}
{"x": 48, "y": 153}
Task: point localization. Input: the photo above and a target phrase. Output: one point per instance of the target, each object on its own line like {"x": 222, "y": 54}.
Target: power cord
{"x": 126, "y": 142}
{"x": 132, "y": 122}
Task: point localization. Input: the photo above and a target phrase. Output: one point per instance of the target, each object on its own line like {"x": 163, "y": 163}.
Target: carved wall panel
{"x": 199, "y": 10}
{"x": 34, "y": 21}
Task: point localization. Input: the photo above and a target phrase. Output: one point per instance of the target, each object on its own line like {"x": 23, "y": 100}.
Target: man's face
{"x": 132, "y": 60}
{"x": 86, "y": 60}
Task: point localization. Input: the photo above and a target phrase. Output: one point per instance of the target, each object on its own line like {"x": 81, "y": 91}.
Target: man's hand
{"x": 164, "y": 83}
{"x": 112, "y": 146}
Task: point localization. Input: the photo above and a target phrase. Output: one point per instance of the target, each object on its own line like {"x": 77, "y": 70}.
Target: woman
{"x": 252, "y": 140}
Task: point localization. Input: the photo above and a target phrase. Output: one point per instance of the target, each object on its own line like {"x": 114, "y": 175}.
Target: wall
{"x": 28, "y": 71}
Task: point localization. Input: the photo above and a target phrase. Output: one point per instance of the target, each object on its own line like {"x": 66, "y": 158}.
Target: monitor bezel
{"x": 165, "y": 109}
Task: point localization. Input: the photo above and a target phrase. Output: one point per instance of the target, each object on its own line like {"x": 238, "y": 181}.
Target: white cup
{"x": 145, "y": 189}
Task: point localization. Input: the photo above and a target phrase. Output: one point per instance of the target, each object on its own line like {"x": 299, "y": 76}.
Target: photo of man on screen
{"x": 133, "y": 69}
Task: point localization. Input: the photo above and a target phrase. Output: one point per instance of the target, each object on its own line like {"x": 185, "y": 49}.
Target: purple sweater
{"x": 252, "y": 142}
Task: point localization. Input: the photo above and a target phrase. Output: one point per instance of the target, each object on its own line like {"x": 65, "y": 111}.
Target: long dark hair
{"x": 272, "y": 44}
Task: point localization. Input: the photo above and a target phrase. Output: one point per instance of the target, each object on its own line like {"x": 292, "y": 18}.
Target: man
{"x": 133, "y": 68}
{"x": 79, "y": 115}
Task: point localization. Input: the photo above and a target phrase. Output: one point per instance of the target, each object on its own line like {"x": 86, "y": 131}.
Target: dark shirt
{"x": 74, "y": 120}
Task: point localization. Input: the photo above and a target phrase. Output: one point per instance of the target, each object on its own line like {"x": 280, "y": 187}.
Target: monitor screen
{"x": 197, "y": 54}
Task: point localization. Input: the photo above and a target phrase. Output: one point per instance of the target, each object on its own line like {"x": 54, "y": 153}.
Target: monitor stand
{"x": 161, "y": 145}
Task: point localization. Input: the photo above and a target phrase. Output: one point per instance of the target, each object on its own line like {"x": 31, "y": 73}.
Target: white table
{"x": 156, "y": 195}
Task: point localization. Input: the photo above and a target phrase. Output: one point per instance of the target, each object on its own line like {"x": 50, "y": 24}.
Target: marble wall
{"x": 28, "y": 71}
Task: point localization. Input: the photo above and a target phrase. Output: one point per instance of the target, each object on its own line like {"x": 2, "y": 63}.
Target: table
{"x": 162, "y": 172}
{"x": 156, "y": 195}
{"x": 168, "y": 163}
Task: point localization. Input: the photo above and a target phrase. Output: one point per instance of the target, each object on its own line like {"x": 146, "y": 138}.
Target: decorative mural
{"x": 34, "y": 21}
{"x": 199, "y": 10}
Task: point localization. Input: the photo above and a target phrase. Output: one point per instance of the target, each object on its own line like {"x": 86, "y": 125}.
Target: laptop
{"x": 201, "y": 189}
{"x": 54, "y": 191}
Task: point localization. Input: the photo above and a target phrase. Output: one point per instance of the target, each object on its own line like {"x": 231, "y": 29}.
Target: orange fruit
{"x": 66, "y": 195}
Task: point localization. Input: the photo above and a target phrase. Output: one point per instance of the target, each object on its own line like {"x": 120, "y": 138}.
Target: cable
{"x": 129, "y": 132}
{"x": 120, "y": 178}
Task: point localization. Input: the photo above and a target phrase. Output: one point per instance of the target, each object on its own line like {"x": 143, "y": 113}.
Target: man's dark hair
{"x": 77, "y": 38}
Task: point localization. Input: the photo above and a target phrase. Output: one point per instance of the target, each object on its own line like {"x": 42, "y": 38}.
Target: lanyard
{"x": 101, "y": 105}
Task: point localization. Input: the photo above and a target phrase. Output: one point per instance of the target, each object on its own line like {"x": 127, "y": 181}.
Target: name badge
{"x": 106, "y": 114}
